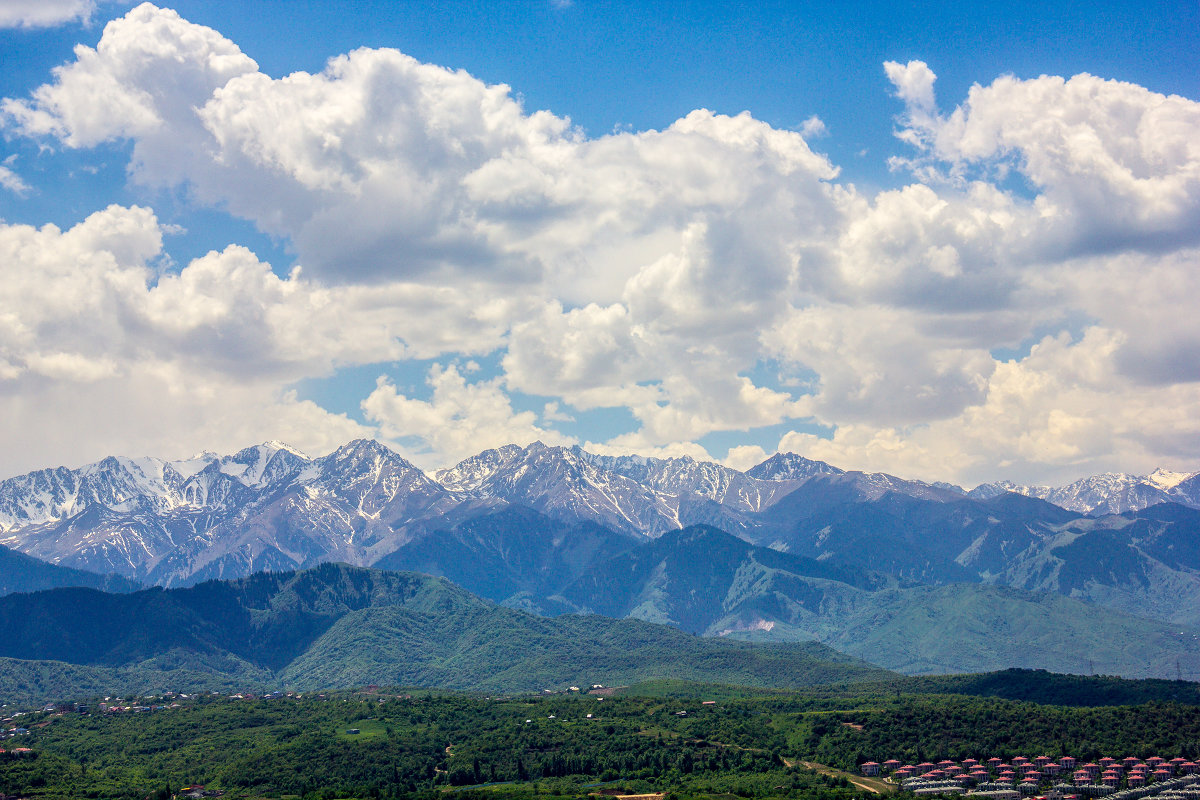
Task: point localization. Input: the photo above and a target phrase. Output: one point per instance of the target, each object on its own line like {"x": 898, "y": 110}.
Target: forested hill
{"x": 22, "y": 573}
{"x": 341, "y": 626}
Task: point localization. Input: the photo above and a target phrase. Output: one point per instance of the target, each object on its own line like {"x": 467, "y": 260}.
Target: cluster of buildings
{"x": 7, "y": 732}
{"x": 10, "y": 728}
{"x": 1122, "y": 779}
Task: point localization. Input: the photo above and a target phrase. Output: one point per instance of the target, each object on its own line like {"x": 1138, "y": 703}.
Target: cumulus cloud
{"x": 1116, "y": 165}
{"x": 44, "y": 13}
{"x": 460, "y": 419}
{"x": 435, "y": 217}
{"x": 882, "y": 364}
{"x": 174, "y": 362}
{"x": 1061, "y": 412}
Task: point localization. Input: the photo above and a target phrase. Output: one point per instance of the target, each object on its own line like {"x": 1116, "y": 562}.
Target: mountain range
{"x": 338, "y": 626}
{"x": 914, "y": 576}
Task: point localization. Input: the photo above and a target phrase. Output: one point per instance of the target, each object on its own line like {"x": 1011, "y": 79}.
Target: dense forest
{"x": 689, "y": 740}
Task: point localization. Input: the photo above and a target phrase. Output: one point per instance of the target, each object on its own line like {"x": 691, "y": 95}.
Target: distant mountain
{"x": 790, "y": 467}
{"x": 529, "y": 526}
{"x": 870, "y": 485}
{"x": 341, "y": 626}
{"x": 686, "y": 477}
{"x": 22, "y": 573}
{"x": 1109, "y": 493}
{"x": 1143, "y": 563}
{"x": 705, "y": 581}
{"x": 562, "y": 484}
{"x": 974, "y": 628}
{"x": 266, "y": 507}
{"x": 515, "y": 555}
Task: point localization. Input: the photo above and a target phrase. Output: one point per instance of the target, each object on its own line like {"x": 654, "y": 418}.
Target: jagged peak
{"x": 1167, "y": 479}
{"x": 275, "y": 446}
{"x": 359, "y": 450}
{"x": 361, "y": 446}
{"x": 635, "y": 459}
{"x": 790, "y": 465}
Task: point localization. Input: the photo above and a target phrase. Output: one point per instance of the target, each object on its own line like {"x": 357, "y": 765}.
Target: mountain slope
{"x": 337, "y": 625}
{"x": 22, "y": 573}
{"x": 1144, "y": 563}
{"x": 512, "y": 555}
{"x": 706, "y": 581}
{"x": 970, "y": 628}
{"x": 699, "y": 576}
{"x": 499, "y": 649}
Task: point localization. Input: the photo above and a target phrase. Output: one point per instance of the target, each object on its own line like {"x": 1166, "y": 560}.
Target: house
{"x": 870, "y": 768}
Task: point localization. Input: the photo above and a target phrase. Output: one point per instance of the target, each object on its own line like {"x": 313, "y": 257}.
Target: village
{"x": 1043, "y": 778}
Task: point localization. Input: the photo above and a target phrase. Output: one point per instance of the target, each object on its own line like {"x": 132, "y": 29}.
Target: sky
{"x": 946, "y": 240}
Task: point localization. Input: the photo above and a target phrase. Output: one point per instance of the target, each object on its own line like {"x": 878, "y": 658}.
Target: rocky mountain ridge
{"x": 1109, "y": 492}
{"x": 272, "y": 507}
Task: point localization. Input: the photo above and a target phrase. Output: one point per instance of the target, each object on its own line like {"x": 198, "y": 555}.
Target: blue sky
{"x": 687, "y": 228}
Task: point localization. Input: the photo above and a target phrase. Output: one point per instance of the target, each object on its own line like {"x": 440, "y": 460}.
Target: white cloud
{"x": 813, "y": 127}
{"x": 43, "y": 13}
{"x": 884, "y": 365}
{"x": 1116, "y": 165}
{"x": 99, "y": 353}
{"x": 914, "y": 84}
{"x": 460, "y": 419}
{"x": 1058, "y": 414}
{"x": 12, "y": 181}
{"x": 436, "y": 218}
{"x": 745, "y": 456}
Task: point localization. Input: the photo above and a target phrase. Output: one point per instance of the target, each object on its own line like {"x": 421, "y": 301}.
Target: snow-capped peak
{"x": 1166, "y": 479}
